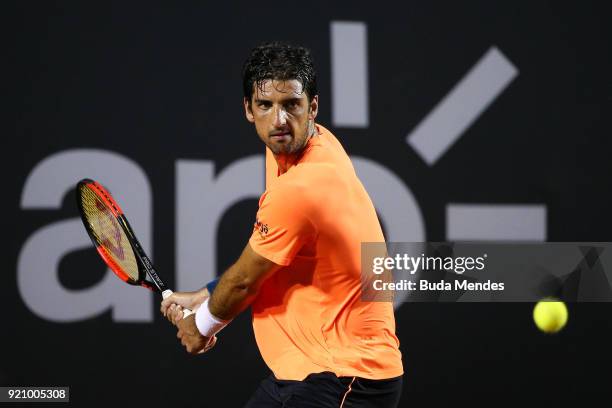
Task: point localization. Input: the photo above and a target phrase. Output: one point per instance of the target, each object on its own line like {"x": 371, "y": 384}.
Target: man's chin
{"x": 281, "y": 148}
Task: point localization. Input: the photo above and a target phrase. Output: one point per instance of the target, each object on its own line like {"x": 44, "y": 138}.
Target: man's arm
{"x": 236, "y": 289}
{"x": 240, "y": 284}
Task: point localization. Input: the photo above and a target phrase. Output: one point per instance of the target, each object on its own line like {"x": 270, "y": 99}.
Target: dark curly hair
{"x": 280, "y": 61}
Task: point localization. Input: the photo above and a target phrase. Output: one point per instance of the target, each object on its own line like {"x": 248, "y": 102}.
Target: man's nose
{"x": 280, "y": 117}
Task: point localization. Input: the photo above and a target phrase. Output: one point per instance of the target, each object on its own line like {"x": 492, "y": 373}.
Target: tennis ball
{"x": 550, "y": 315}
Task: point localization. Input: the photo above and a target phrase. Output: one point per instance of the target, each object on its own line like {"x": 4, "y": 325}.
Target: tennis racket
{"x": 115, "y": 240}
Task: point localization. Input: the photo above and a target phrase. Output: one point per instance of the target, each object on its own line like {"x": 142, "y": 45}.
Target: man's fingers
{"x": 170, "y": 313}
{"x": 194, "y": 343}
{"x": 166, "y": 303}
{"x": 177, "y": 315}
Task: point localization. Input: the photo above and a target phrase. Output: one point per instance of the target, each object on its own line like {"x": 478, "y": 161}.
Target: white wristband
{"x": 207, "y": 324}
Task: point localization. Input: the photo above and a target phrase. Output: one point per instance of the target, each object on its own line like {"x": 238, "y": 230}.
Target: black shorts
{"x": 324, "y": 390}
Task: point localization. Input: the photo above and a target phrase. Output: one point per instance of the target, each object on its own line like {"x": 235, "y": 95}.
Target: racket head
{"x": 109, "y": 232}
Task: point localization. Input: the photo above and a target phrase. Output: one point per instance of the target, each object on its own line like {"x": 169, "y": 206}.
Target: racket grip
{"x": 186, "y": 312}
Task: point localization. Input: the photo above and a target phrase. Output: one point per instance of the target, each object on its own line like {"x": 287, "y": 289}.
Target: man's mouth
{"x": 280, "y": 137}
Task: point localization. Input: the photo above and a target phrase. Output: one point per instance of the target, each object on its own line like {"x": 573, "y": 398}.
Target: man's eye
{"x": 264, "y": 105}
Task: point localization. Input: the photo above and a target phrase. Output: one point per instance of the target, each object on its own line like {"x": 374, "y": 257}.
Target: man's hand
{"x": 191, "y": 337}
{"x": 172, "y": 306}
{"x": 188, "y": 333}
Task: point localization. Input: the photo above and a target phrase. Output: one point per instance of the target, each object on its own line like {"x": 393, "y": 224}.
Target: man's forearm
{"x": 233, "y": 293}
{"x": 240, "y": 284}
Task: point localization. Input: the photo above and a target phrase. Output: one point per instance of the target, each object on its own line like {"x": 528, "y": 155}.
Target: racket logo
{"x": 151, "y": 270}
{"x": 116, "y": 249}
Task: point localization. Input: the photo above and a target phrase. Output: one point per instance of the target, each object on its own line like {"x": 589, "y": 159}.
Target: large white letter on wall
{"x": 202, "y": 199}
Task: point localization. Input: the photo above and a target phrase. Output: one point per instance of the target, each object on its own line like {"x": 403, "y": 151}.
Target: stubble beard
{"x": 294, "y": 146}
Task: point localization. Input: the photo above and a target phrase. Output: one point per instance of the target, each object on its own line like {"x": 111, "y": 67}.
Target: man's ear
{"x": 248, "y": 111}
{"x": 314, "y": 107}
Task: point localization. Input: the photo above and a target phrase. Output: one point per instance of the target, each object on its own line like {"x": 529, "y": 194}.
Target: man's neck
{"x": 285, "y": 161}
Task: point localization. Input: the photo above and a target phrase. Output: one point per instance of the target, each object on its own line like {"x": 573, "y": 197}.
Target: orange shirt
{"x": 308, "y": 317}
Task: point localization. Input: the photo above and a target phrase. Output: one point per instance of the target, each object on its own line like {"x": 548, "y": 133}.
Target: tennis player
{"x": 300, "y": 270}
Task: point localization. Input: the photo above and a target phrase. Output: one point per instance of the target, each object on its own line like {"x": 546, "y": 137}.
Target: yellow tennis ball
{"x": 550, "y": 315}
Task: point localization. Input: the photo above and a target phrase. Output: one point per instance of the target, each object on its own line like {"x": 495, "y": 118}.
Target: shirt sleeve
{"x": 282, "y": 225}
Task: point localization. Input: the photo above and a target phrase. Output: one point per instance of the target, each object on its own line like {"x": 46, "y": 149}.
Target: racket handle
{"x": 186, "y": 312}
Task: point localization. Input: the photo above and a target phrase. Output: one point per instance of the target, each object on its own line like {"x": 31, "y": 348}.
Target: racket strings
{"x": 108, "y": 233}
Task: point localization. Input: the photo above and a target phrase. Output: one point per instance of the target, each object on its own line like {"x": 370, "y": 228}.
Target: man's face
{"x": 282, "y": 114}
